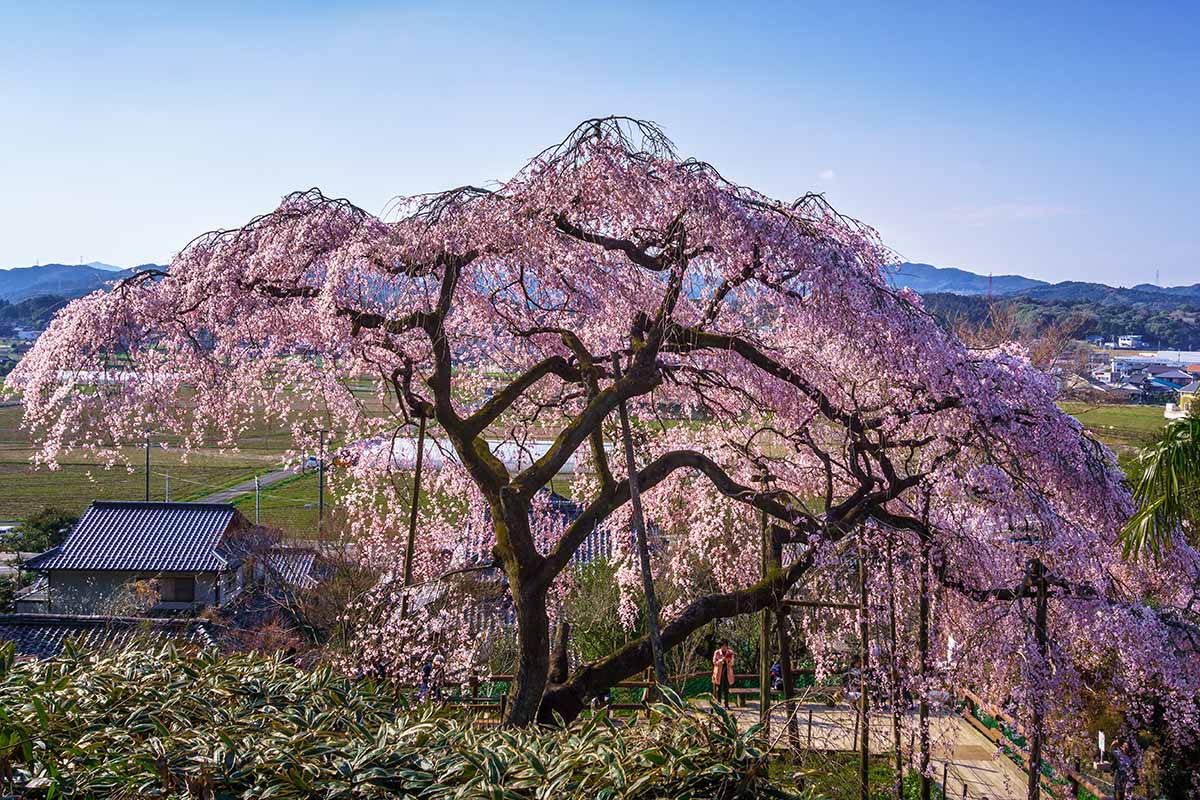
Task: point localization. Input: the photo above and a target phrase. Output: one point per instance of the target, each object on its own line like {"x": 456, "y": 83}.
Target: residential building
{"x": 1130, "y": 342}
{"x": 1189, "y": 402}
{"x": 190, "y": 555}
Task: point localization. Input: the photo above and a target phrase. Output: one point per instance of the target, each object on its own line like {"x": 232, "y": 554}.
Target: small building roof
{"x": 34, "y": 592}
{"x": 294, "y": 566}
{"x": 42, "y": 635}
{"x": 144, "y": 537}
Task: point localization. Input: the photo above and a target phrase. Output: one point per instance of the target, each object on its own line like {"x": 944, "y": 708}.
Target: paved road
{"x": 970, "y": 758}
{"x": 247, "y": 487}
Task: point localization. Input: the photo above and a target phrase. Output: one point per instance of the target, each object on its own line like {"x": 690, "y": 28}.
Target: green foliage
{"x": 835, "y": 776}
{"x": 42, "y": 530}
{"x": 9, "y": 586}
{"x": 146, "y": 722}
{"x": 596, "y": 630}
{"x": 1166, "y": 488}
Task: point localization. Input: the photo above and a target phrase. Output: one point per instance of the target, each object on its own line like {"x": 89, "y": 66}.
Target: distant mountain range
{"x": 925, "y": 279}
{"x": 64, "y": 280}
{"x": 74, "y": 280}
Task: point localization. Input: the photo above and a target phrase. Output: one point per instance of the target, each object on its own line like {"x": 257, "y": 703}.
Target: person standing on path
{"x": 722, "y": 676}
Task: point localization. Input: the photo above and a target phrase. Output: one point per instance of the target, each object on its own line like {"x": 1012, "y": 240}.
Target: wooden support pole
{"x": 864, "y": 746}
{"x": 414, "y": 505}
{"x": 898, "y": 763}
{"x": 785, "y": 660}
{"x": 1041, "y": 611}
{"x": 785, "y": 639}
{"x": 923, "y": 655}
{"x": 764, "y": 624}
{"x": 639, "y": 525}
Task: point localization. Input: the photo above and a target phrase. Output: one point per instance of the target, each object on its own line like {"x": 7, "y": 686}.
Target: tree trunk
{"x": 533, "y": 655}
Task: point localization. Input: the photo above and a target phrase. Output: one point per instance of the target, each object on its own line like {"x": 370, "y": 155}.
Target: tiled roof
{"x": 293, "y": 566}
{"x": 144, "y": 537}
{"x": 42, "y": 635}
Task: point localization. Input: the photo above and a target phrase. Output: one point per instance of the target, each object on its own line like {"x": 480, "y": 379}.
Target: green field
{"x": 81, "y": 479}
{"x": 292, "y": 505}
{"x": 1121, "y": 426}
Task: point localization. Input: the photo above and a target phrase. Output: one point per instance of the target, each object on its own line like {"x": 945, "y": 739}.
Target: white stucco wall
{"x": 100, "y": 592}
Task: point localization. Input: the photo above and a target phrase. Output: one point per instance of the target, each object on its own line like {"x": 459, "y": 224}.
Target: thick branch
{"x": 648, "y": 477}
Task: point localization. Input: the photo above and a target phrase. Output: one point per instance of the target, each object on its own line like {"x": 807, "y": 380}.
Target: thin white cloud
{"x": 826, "y": 175}
{"x": 1008, "y": 212}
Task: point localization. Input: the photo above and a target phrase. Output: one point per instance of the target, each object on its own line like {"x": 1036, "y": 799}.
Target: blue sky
{"x": 1059, "y": 143}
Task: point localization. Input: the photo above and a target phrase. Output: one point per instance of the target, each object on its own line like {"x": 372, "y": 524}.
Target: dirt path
{"x": 969, "y": 758}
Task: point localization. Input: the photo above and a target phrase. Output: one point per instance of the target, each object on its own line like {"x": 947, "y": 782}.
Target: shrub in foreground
{"x": 159, "y": 722}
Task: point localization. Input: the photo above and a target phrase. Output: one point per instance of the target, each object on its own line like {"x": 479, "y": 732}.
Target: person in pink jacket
{"x": 722, "y": 676}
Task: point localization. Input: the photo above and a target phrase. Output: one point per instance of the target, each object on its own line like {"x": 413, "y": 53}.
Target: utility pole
{"x": 639, "y": 526}
{"x": 147, "y": 465}
{"x": 257, "y": 500}
{"x": 412, "y": 517}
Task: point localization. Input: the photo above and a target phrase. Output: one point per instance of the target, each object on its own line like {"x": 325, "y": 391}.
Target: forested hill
{"x": 1173, "y": 324}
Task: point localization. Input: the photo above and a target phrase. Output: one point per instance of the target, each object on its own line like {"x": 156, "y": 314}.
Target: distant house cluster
{"x": 1165, "y": 377}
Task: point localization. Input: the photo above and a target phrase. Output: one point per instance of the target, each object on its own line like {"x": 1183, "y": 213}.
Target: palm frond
{"x": 1168, "y": 481}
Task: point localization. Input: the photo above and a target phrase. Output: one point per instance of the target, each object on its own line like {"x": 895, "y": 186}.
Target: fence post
{"x": 810, "y": 729}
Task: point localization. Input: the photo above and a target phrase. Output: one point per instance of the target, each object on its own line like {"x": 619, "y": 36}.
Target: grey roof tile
{"x": 42, "y": 635}
{"x": 149, "y": 537}
{"x": 293, "y": 566}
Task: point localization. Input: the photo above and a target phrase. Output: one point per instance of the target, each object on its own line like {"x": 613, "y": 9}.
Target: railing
{"x": 1075, "y": 778}
{"x": 970, "y": 790}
